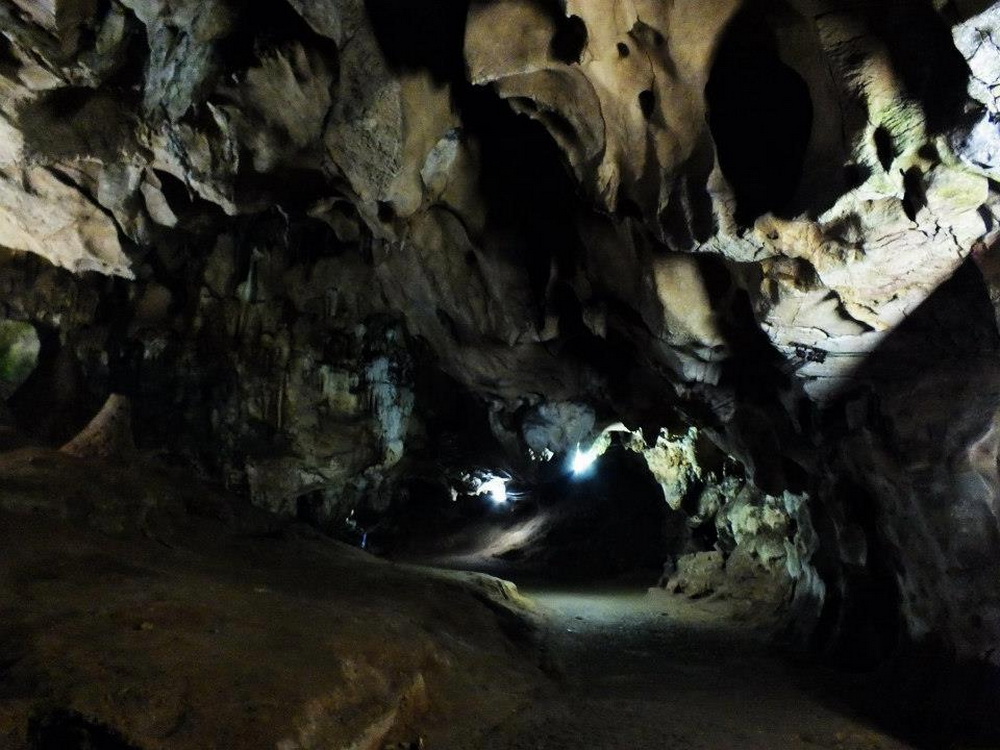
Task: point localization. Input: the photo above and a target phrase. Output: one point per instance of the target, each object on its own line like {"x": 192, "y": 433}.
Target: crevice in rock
{"x": 914, "y": 195}
{"x": 885, "y": 149}
{"x": 647, "y": 103}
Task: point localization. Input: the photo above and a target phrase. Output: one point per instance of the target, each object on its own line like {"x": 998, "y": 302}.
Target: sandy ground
{"x": 631, "y": 675}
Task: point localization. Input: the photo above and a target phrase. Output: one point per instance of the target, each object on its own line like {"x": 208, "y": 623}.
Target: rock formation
{"x": 324, "y": 247}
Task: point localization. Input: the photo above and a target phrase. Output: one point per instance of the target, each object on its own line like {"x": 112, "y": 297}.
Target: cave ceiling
{"x": 834, "y": 163}
{"x": 626, "y": 204}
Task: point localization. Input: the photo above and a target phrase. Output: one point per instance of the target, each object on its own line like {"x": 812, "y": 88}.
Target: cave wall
{"x": 268, "y": 225}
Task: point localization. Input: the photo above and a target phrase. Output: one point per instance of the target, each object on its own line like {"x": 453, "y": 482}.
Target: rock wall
{"x": 282, "y": 217}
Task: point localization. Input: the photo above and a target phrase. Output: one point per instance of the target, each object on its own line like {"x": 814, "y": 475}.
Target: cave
{"x": 499, "y": 373}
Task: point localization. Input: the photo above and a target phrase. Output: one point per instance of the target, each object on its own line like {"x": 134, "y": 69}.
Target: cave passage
{"x": 20, "y": 348}
{"x": 463, "y": 374}
{"x": 608, "y": 523}
{"x": 631, "y": 664}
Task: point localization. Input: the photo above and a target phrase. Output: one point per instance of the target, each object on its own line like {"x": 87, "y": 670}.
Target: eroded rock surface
{"x": 312, "y": 243}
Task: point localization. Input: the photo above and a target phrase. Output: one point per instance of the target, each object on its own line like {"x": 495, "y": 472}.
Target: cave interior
{"x": 499, "y": 373}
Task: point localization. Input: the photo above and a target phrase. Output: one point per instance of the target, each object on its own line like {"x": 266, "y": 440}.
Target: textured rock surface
{"x": 187, "y": 644}
{"x": 310, "y": 239}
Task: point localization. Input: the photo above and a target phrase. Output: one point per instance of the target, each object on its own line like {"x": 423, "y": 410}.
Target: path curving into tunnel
{"x": 642, "y": 670}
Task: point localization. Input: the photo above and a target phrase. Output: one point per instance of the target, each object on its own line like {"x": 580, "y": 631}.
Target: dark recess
{"x": 525, "y": 180}
{"x": 914, "y": 195}
{"x": 569, "y": 40}
{"x": 885, "y": 149}
{"x": 860, "y": 626}
{"x": 647, "y": 103}
{"x": 924, "y": 56}
{"x": 68, "y": 730}
{"x": 53, "y": 404}
{"x": 421, "y": 35}
{"x": 529, "y": 192}
{"x": 264, "y": 26}
{"x": 760, "y": 114}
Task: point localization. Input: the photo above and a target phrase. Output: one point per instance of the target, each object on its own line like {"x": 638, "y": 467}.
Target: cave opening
{"x": 51, "y": 401}
{"x": 20, "y": 351}
{"x": 760, "y": 112}
{"x": 552, "y": 525}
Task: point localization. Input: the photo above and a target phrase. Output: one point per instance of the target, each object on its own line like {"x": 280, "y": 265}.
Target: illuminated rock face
{"x": 341, "y": 222}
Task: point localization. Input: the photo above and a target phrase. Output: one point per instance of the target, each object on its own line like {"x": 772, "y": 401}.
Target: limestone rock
{"x": 670, "y": 214}
{"x": 109, "y": 434}
{"x": 555, "y": 428}
{"x": 42, "y": 212}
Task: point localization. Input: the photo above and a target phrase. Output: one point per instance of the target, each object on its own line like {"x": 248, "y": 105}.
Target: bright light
{"x": 495, "y": 488}
{"x": 583, "y": 460}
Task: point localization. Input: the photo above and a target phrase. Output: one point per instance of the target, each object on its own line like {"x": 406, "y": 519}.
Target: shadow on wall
{"x": 760, "y": 114}
{"x": 923, "y": 54}
{"x": 910, "y": 517}
{"x": 761, "y": 108}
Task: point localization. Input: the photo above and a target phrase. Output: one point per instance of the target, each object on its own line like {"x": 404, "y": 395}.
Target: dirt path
{"x": 634, "y": 677}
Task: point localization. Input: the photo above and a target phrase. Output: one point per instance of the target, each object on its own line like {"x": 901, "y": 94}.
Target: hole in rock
{"x": 914, "y": 195}
{"x": 569, "y": 40}
{"x": 65, "y": 103}
{"x": 760, "y": 115}
{"x": 885, "y": 149}
{"x": 647, "y": 103}
{"x": 176, "y": 193}
{"x": 386, "y": 212}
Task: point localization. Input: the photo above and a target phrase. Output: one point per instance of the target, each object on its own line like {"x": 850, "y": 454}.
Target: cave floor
{"x": 139, "y": 610}
{"x": 640, "y": 670}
